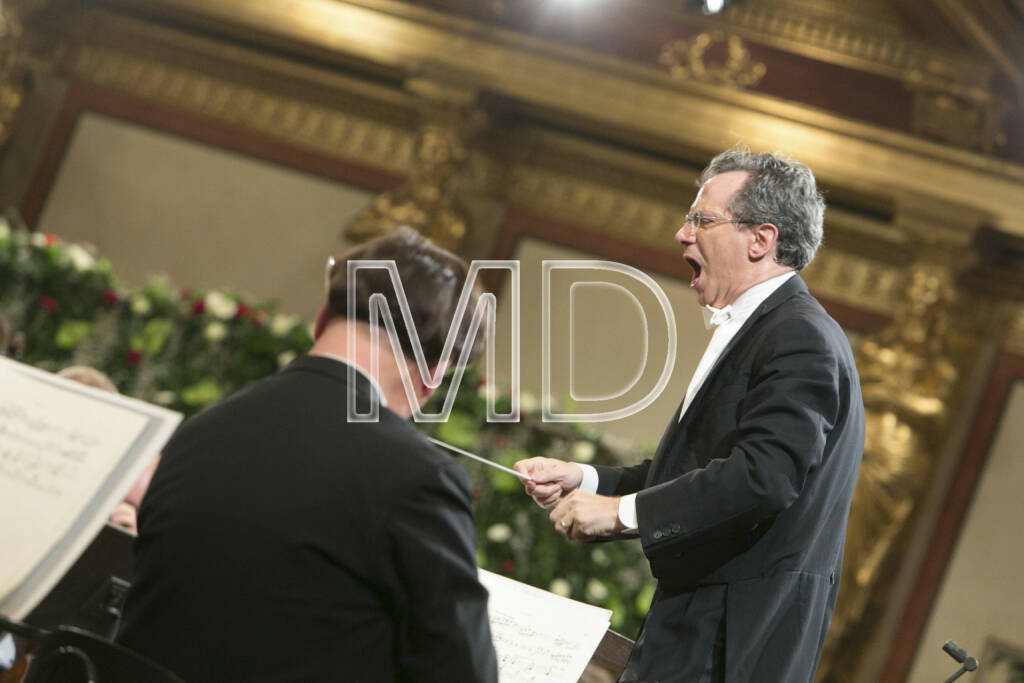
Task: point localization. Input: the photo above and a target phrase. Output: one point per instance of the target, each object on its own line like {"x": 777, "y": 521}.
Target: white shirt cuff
{"x": 8, "y": 653}
{"x": 589, "y": 482}
{"x": 627, "y": 512}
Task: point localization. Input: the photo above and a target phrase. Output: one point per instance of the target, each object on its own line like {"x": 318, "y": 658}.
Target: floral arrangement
{"x": 184, "y": 349}
{"x": 188, "y": 348}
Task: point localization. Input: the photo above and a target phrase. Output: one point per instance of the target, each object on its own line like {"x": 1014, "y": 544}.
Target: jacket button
{"x": 656, "y": 534}
{"x": 675, "y": 528}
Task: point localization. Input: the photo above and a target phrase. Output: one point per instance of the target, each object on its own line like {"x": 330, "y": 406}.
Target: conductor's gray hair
{"x": 780, "y": 191}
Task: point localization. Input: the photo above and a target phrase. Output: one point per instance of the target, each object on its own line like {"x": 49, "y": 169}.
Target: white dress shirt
{"x": 726, "y": 322}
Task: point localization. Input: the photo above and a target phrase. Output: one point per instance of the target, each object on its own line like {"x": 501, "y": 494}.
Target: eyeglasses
{"x": 700, "y": 221}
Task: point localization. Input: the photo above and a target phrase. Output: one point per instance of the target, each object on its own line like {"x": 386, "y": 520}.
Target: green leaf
{"x": 506, "y": 483}
{"x": 460, "y": 430}
{"x": 71, "y": 333}
{"x": 202, "y": 393}
{"x": 151, "y": 338}
{"x": 644, "y": 597}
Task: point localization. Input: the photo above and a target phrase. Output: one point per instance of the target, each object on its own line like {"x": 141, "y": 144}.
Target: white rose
{"x": 600, "y": 557}
{"x": 528, "y": 402}
{"x": 215, "y": 331}
{"x": 560, "y": 587}
{"x": 499, "y": 533}
{"x": 583, "y": 451}
{"x": 140, "y": 305}
{"x": 164, "y": 397}
{"x": 38, "y": 239}
{"x": 282, "y": 324}
{"x": 596, "y": 591}
{"x": 220, "y": 306}
{"x": 81, "y": 260}
{"x": 487, "y": 391}
{"x": 285, "y": 358}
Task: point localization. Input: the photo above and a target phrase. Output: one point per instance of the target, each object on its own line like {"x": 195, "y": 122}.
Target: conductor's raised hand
{"x": 550, "y": 479}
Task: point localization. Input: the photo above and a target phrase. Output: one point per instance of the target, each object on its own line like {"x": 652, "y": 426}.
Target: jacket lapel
{"x": 790, "y": 288}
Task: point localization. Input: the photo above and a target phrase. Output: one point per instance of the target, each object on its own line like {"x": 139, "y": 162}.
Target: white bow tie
{"x": 713, "y": 317}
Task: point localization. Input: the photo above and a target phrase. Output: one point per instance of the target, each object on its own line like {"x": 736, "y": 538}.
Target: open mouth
{"x": 696, "y": 268}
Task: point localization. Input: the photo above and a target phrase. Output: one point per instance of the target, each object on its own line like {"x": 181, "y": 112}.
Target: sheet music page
{"x": 68, "y": 454}
{"x": 540, "y": 636}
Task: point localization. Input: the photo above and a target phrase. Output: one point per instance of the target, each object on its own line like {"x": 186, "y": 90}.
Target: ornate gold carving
{"x": 11, "y": 69}
{"x": 854, "y": 280}
{"x": 687, "y": 59}
{"x": 966, "y": 116}
{"x": 607, "y": 209}
{"x": 321, "y": 129}
{"x": 877, "y": 47}
{"x": 428, "y": 200}
{"x": 908, "y": 375}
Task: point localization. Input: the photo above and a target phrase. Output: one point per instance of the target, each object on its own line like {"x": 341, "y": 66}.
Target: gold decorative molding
{"x": 601, "y": 207}
{"x": 428, "y": 200}
{"x": 853, "y": 279}
{"x": 303, "y": 124}
{"x": 962, "y": 115}
{"x": 876, "y": 48}
{"x": 613, "y": 97}
{"x": 687, "y": 59}
{"x": 11, "y": 68}
{"x": 910, "y": 373}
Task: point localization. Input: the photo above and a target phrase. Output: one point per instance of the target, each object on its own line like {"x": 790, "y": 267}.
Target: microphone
{"x": 960, "y": 655}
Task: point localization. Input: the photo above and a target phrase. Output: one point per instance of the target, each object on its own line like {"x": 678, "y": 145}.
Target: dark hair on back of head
{"x": 433, "y": 280}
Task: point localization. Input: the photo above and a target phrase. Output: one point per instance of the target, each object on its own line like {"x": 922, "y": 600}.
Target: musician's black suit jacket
{"x": 279, "y": 542}
{"x": 742, "y": 511}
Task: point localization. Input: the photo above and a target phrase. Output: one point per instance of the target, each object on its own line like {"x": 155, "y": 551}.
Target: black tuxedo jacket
{"x": 279, "y": 542}
{"x": 742, "y": 511}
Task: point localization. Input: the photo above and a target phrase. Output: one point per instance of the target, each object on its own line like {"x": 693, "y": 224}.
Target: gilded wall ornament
{"x": 689, "y": 60}
{"x": 908, "y": 377}
{"x": 11, "y": 69}
{"x": 428, "y": 200}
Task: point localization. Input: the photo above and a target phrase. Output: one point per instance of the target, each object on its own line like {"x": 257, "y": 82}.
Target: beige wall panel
{"x": 980, "y": 595}
{"x": 154, "y": 203}
{"x": 607, "y": 339}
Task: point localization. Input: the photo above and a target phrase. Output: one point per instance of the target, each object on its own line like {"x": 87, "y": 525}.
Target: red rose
{"x": 508, "y": 566}
{"x": 242, "y": 312}
{"x": 49, "y": 303}
{"x": 111, "y": 297}
{"x": 133, "y": 357}
{"x": 198, "y": 307}
{"x": 51, "y": 239}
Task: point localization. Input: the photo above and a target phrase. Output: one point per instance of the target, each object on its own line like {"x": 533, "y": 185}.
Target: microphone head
{"x": 955, "y": 651}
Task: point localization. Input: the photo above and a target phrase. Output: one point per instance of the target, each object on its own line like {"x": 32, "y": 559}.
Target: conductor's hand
{"x": 550, "y": 479}
{"x": 582, "y": 516}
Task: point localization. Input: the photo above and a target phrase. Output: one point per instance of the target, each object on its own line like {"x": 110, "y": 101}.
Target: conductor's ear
{"x": 764, "y": 237}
